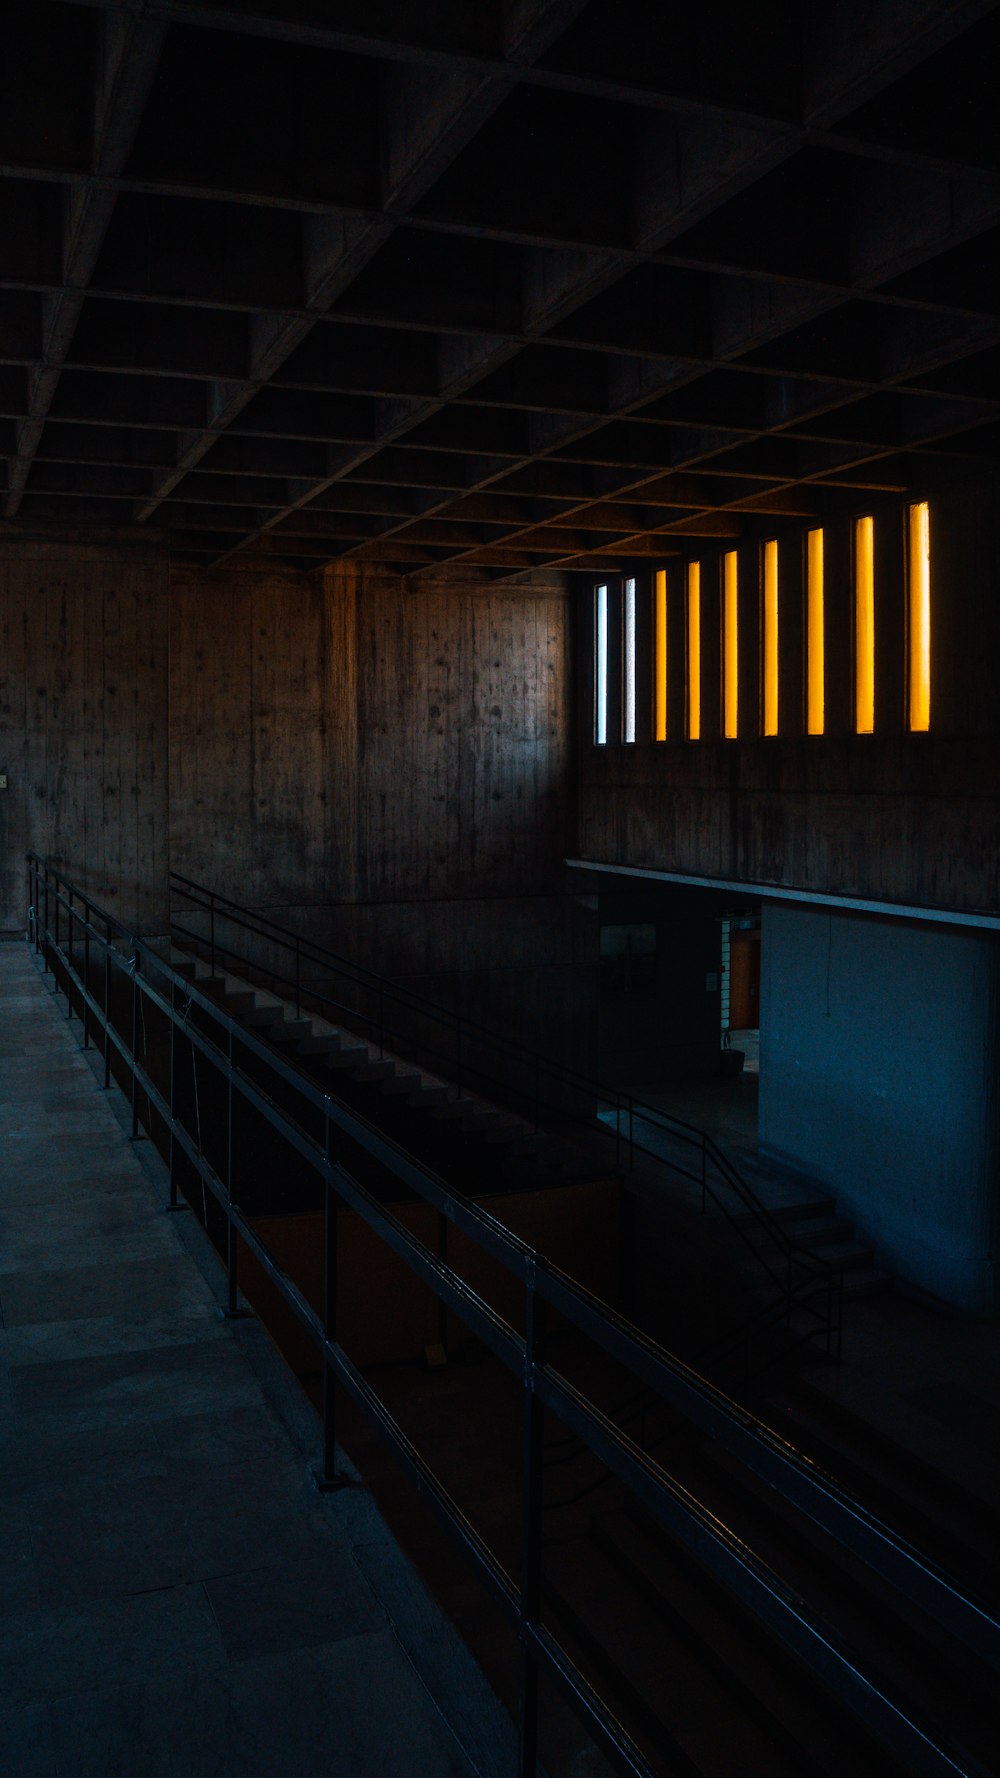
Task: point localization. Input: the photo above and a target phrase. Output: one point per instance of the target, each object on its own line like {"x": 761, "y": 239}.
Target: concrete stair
{"x": 815, "y": 1225}
{"x": 326, "y": 1046}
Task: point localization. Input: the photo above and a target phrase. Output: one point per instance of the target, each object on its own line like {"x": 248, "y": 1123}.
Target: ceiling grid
{"x": 461, "y": 289}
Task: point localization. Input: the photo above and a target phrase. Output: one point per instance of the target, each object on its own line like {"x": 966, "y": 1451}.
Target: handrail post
{"x": 327, "y": 1475}
{"x": 232, "y": 1310}
{"x": 172, "y": 1101}
{"x": 29, "y": 886}
{"x": 107, "y": 1004}
{"x": 70, "y": 964}
{"x": 135, "y": 1032}
{"x": 45, "y": 946}
{"x": 532, "y": 1491}
{"x": 85, "y": 1010}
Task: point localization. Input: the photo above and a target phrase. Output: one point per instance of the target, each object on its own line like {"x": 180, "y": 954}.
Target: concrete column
{"x": 878, "y": 1077}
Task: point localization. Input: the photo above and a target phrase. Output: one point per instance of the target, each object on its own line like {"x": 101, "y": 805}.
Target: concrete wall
{"x": 879, "y": 1076}
{"x": 362, "y": 738}
{"x": 83, "y": 714}
{"x": 909, "y": 818}
{"x": 386, "y": 768}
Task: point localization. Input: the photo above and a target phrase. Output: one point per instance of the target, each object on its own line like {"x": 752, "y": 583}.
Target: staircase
{"x": 444, "y": 1123}
{"x": 718, "y": 1586}
{"x": 818, "y": 1228}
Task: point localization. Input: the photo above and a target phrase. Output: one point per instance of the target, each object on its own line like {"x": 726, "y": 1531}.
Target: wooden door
{"x": 744, "y": 980}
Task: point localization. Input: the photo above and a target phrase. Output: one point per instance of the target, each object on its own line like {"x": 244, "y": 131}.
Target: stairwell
{"x": 648, "y": 1594}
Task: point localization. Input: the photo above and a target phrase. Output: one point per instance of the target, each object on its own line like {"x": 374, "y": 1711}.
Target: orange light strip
{"x": 815, "y": 662}
{"x": 694, "y": 651}
{"x": 660, "y": 655}
{"x": 864, "y": 626}
{"x": 919, "y": 619}
{"x": 770, "y": 641}
{"x": 730, "y": 645}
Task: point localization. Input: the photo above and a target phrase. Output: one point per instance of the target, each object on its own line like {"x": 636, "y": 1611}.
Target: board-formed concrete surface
{"x": 176, "y": 1597}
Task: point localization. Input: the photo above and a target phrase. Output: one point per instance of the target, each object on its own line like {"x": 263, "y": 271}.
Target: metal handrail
{"x": 801, "y": 1484}
{"x": 805, "y": 1281}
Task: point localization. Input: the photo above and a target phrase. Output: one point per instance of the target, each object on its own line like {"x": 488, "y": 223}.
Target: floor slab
{"x": 177, "y": 1597}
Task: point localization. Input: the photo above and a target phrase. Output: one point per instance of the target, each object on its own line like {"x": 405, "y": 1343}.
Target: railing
{"x": 807, "y": 1291}
{"x": 66, "y": 928}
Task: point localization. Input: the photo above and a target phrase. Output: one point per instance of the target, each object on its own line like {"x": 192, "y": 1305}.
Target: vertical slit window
{"x": 730, "y": 645}
{"x": 628, "y": 663}
{"x": 918, "y": 625}
{"x": 864, "y": 627}
{"x": 769, "y": 641}
{"x": 601, "y": 666}
{"x": 815, "y": 660}
{"x": 694, "y": 651}
{"x": 660, "y": 655}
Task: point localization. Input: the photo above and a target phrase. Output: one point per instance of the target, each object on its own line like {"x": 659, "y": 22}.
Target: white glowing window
{"x": 601, "y": 666}
{"x": 628, "y": 663}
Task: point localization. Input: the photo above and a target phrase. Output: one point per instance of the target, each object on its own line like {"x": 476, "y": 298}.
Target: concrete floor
{"x": 176, "y": 1597}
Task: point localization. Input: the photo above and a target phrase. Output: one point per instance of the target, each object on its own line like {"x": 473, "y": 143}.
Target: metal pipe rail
{"x": 153, "y": 983}
{"x": 804, "y": 1282}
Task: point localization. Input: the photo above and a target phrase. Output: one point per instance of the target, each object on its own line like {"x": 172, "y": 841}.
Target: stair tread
{"x": 906, "y": 1437}
{"x": 913, "y": 1655}
{"x": 678, "y": 1689}
{"x": 745, "y": 1659}
{"x": 925, "y": 1502}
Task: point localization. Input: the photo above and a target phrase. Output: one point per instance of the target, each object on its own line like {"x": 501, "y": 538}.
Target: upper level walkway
{"x": 175, "y": 1595}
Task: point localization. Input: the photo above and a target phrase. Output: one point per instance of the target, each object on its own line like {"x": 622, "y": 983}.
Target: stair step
{"x": 794, "y": 1212}
{"x": 261, "y": 1013}
{"x": 190, "y": 967}
{"x": 427, "y": 1094}
{"x": 375, "y": 1068}
{"x": 345, "y": 1057}
{"x": 288, "y": 1030}
{"x": 241, "y": 1002}
{"x": 655, "y": 1679}
{"x": 820, "y": 1230}
{"x": 917, "y": 1659}
{"x": 506, "y": 1130}
{"x": 851, "y": 1255}
{"x": 957, "y": 1529}
{"x": 868, "y": 1281}
{"x": 319, "y": 1043}
{"x": 453, "y": 1110}
{"x": 400, "y": 1083}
